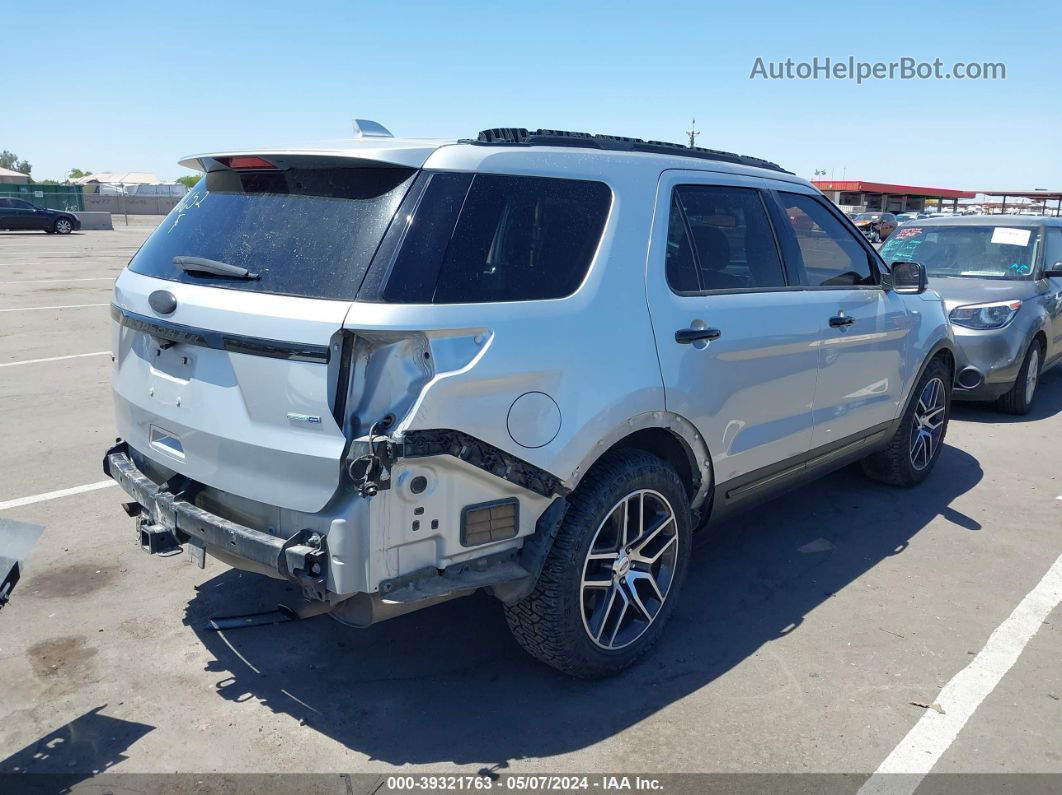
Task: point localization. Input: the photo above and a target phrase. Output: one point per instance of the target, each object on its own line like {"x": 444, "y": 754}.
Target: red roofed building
{"x": 858, "y": 195}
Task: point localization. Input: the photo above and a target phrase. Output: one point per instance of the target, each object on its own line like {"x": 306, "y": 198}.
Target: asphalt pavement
{"x": 807, "y": 636}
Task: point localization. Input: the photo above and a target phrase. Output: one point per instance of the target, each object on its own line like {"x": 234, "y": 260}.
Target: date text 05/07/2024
{"x": 524, "y": 783}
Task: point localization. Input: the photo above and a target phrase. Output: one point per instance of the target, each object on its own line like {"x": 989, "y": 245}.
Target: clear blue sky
{"x": 135, "y": 85}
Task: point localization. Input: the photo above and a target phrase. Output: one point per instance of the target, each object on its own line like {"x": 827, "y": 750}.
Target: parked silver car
{"x": 1001, "y": 279}
{"x": 394, "y": 372}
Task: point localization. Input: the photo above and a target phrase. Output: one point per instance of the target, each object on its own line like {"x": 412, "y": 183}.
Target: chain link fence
{"x": 124, "y": 200}
{"x": 120, "y": 200}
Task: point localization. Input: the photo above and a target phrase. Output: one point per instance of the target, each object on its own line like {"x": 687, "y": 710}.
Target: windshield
{"x": 868, "y": 216}
{"x": 982, "y": 252}
{"x": 305, "y": 232}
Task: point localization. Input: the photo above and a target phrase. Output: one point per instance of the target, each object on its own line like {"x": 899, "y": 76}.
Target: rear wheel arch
{"x": 669, "y": 437}
{"x": 670, "y": 447}
{"x": 551, "y": 621}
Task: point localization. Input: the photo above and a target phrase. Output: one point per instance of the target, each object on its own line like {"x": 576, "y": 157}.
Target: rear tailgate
{"x": 228, "y": 375}
{"x": 255, "y": 423}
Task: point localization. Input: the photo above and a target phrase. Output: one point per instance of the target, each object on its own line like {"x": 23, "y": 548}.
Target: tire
{"x": 63, "y": 226}
{"x": 1018, "y": 400}
{"x": 555, "y": 623}
{"x": 915, "y": 446}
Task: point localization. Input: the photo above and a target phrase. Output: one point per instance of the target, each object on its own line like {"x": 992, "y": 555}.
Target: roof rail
{"x": 523, "y": 137}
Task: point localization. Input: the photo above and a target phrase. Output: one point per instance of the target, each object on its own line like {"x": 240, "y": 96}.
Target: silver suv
{"x": 394, "y": 372}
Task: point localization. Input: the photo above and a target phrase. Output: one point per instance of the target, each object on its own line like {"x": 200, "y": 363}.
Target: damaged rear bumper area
{"x": 169, "y": 517}
{"x": 398, "y": 579}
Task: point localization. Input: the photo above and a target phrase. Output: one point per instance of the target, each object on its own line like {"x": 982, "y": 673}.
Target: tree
{"x": 188, "y": 180}
{"x": 10, "y": 160}
{"x": 77, "y": 173}
{"x": 47, "y": 181}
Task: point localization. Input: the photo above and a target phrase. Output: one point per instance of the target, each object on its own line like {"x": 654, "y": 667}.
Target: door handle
{"x": 839, "y": 321}
{"x": 684, "y": 336}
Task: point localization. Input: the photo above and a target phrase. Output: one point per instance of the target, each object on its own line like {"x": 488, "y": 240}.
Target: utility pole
{"x": 693, "y": 132}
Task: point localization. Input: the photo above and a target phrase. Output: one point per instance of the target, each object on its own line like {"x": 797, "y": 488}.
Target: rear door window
{"x": 720, "y": 238}
{"x": 306, "y": 231}
{"x": 492, "y": 238}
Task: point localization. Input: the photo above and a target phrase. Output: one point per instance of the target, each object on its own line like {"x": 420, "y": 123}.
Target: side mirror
{"x": 1054, "y": 272}
{"x": 908, "y": 278}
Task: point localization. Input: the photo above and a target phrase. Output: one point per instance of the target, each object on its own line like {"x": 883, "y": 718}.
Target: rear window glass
{"x": 305, "y": 232}
{"x": 498, "y": 238}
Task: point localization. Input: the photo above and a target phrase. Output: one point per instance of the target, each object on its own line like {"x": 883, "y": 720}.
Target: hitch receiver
{"x": 156, "y": 539}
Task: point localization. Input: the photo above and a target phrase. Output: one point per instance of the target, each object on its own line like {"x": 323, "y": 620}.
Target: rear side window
{"x": 719, "y": 238}
{"x": 306, "y": 232}
{"x": 488, "y": 238}
{"x": 831, "y": 255}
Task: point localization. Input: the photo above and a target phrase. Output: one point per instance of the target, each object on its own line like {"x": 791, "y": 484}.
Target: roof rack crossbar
{"x": 524, "y": 137}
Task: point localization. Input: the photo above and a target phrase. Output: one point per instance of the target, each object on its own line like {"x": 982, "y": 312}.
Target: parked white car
{"x": 396, "y": 371}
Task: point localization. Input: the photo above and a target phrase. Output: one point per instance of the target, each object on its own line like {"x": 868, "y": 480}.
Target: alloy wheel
{"x": 928, "y": 427}
{"x": 62, "y": 226}
{"x": 628, "y": 569}
{"x": 1033, "y": 373}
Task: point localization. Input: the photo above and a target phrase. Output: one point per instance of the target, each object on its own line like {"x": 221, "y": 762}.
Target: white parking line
{"x": 903, "y": 769}
{"x": 67, "y": 306}
{"x": 54, "y": 358}
{"x": 53, "y": 281}
{"x": 54, "y": 495}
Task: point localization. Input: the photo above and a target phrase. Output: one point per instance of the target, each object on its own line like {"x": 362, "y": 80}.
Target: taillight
{"x": 238, "y": 162}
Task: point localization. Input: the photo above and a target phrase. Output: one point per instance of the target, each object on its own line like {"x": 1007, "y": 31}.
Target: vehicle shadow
{"x": 86, "y": 746}
{"x": 448, "y": 684}
{"x": 1047, "y": 402}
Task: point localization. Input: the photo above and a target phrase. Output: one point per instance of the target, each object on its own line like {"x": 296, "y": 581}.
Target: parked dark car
{"x": 19, "y": 214}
